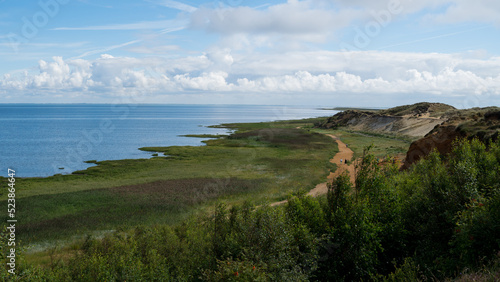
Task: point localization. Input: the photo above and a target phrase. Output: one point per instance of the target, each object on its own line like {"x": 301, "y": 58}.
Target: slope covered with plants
{"x": 437, "y": 220}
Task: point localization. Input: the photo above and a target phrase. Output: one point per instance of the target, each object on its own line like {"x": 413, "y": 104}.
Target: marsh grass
{"x": 261, "y": 163}
{"x": 204, "y": 135}
{"x": 60, "y": 215}
{"x": 180, "y": 228}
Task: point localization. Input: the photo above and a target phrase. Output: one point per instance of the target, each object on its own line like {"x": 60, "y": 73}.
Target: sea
{"x": 40, "y": 140}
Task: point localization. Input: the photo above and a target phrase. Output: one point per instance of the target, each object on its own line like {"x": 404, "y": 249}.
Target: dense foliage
{"x": 440, "y": 218}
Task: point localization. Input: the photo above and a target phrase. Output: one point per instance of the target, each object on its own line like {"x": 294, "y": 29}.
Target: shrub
{"x": 438, "y": 219}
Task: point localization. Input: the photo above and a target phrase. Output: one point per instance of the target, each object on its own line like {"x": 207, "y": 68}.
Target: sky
{"x": 377, "y": 53}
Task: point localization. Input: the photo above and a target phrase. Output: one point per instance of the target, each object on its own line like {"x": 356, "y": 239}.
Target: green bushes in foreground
{"x": 436, "y": 221}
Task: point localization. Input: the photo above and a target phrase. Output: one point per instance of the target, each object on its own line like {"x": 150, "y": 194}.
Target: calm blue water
{"x": 37, "y": 140}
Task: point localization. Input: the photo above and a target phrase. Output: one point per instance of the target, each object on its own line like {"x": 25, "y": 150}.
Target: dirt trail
{"x": 344, "y": 154}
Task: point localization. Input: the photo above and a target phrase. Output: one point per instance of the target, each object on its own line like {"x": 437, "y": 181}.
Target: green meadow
{"x": 202, "y": 213}
{"x": 260, "y": 162}
{"x": 381, "y": 145}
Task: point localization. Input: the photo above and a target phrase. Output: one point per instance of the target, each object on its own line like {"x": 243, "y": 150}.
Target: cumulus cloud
{"x": 222, "y": 58}
{"x": 469, "y": 11}
{"x": 444, "y": 75}
{"x": 290, "y": 18}
{"x": 446, "y": 82}
{"x": 316, "y": 21}
{"x": 213, "y": 81}
{"x": 294, "y": 20}
{"x": 274, "y": 49}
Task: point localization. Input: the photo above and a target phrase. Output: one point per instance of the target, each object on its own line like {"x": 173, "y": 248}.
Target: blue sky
{"x": 317, "y": 52}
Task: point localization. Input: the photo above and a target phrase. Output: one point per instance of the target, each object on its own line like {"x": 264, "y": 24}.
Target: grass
{"x": 382, "y": 146}
{"x": 79, "y": 213}
{"x": 204, "y": 135}
{"x": 262, "y": 163}
{"x": 302, "y": 123}
{"x": 433, "y": 108}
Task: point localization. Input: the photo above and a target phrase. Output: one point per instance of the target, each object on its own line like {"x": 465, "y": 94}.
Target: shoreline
{"x": 262, "y": 163}
{"x": 206, "y": 137}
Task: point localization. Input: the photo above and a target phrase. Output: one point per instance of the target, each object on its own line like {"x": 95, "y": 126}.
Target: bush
{"x": 438, "y": 219}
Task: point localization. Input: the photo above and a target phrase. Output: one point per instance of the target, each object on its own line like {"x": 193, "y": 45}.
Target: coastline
{"x": 262, "y": 162}
{"x": 74, "y": 134}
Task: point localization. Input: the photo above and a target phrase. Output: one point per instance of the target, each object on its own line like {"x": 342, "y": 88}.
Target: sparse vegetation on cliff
{"x": 419, "y": 109}
{"x": 430, "y": 125}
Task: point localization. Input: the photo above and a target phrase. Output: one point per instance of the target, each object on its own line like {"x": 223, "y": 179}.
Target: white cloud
{"x": 222, "y": 59}
{"x": 406, "y": 6}
{"x": 294, "y": 23}
{"x": 282, "y": 19}
{"x": 446, "y": 83}
{"x": 271, "y": 50}
{"x": 384, "y": 73}
{"x": 300, "y": 20}
{"x": 213, "y": 81}
{"x": 470, "y": 11}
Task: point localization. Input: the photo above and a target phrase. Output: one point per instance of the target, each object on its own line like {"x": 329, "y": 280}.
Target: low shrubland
{"x": 439, "y": 220}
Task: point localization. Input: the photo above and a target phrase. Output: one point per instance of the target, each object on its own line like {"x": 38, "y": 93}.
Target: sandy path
{"x": 345, "y": 154}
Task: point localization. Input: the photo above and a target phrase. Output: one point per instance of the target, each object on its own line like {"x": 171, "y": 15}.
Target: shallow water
{"x": 40, "y": 140}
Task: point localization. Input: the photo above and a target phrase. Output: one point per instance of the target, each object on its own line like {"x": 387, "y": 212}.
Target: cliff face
{"x": 412, "y": 120}
{"x": 483, "y": 124}
{"x": 437, "y": 125}
{"x": 441, "y": 139}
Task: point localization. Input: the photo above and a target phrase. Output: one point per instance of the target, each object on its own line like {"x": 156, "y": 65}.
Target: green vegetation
{"x": 204, "y": 135}
{"x": 437, "y": 220}
{"x": 302, "y": 123}
{"x": 433, "y": 109}
{"x": 381, "y": 145}
{"x": 200, "y": 213}
{"x": 263, "y": 162}
{"x": 482, "y": 123}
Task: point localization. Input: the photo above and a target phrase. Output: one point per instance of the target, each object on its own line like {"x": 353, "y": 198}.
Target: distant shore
{"x": 352, "y": 108}
{"x": 76, "y": 133}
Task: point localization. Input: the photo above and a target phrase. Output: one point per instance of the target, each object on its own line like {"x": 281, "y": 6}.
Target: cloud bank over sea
{"x": 237, "y": 51}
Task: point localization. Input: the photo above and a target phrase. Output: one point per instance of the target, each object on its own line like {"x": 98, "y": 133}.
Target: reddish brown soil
{"x": 441, "y": 140}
